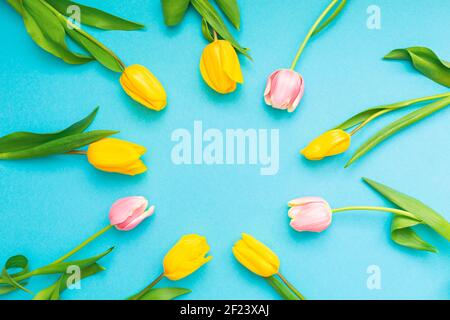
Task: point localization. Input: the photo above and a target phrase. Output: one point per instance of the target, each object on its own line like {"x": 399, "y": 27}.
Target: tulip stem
{"x": 290, "y": 286}
{"x": 394, "y": 106}
{"x": 147, "y": 288}
{"x": 215, "y": 35}
{"x": 371, "y": 208}
{"x": 79, "y": 152}
{"x": 372, "y": 117}
{"x": 311, "y": 31}
{"x": 82, "y": 245}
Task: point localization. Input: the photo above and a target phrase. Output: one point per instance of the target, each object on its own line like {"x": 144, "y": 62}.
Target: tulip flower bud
{"x": 328, "y": 144}
{"x": 127, "y": 213}
{"x": 309, "y": 214}
{"x": 255, "y": 256}
{"x": 188, "y": 255}
{"x": 114, "y": 155}
{"x": 219, "y": 66}
{"x": 141, "y": 85}
{"x": 284, "y": 89}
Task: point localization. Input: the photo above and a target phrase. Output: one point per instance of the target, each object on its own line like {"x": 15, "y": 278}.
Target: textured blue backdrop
{"x": 49, "y": 205}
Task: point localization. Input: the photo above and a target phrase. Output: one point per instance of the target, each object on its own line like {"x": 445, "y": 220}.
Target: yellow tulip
{"x": 256, "y": 257}
{"x": 328, "y": 144}
{"x": 114, "y": 155}
{"x": 141, "y": 85}
{"x": 219, "y": 66}
{"x": 188, "y": 254}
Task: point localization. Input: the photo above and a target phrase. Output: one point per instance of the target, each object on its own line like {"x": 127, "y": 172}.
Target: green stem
{"x": 78, "y": 152}
{"x": 290, "y": 286}
{"x": 281, "y": 289}
{"x": 82, "y": 245}
{"x": 311, "y": 31}
{"x": 394, "y": 106}
{"x": 372, "y": 117}
{"x": 145, "y": 290}
{"x": 372, "y": 208}
{"x": 67, "y": 22}
{"x": 64, "y": 257}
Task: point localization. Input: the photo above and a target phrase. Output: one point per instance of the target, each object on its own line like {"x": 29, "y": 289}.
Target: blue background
{"x": 50, "y": 205}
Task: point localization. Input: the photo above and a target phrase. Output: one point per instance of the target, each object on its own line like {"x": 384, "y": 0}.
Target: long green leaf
{"x": 58, "y": 146}
{"x": 396, "y": 126}
{"x": 331, "y": 17}
{"x": 174, "y": 11}
{"x": 425, "y": 61}
{"x": 281, "y": 289}
{"x": 231, "y": 9}
{"x": 101, "y": 53}
{"x": 207, "y": 11}
{"x": 15, "y": 262}
{"x": 62, "y": 266}
{"x": 96, "y": 18}
{"x": 16, "y": 4}
{"x": 423, "y": 213}
{"x": 47, "y": 32}
{"x": 25, "y": 140}
{"x": 364, "y": 115}
{"x": 54, "y": 291}
{"x": 164, "y": 293}
{"x": 403, "y": 234}
{"x": 206, "y": 31}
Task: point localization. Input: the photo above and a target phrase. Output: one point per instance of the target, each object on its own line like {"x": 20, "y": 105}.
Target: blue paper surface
{"x": 49, "y": 205}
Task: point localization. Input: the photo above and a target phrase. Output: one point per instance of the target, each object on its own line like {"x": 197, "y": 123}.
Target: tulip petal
{"x": 123, "y": 208}
{"x": 211, "y": 68}
{"x": 230, "y": 62}
{"x": 141, "y": 85}
{"x": 135, "y": 219}
{"x": 305, "y": 200}
{"x": 261, "y": 249}
{"x": 114, "y": 153}
{"x": 312, "y": 218}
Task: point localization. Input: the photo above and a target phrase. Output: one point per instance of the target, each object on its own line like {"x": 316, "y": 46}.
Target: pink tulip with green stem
{"x": 125, "y": 214}
{"x": 285, "y": 87}
{"x": 314, "y": 214}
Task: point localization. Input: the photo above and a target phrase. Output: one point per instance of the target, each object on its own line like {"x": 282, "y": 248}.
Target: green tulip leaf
{"x": 401, "y": 231}
{"x": 231, "y": 10}
{"x": 207, "y": 11}
{"x": 164, "y": 293}
{"x": 174, "y": 11}
{"x": 331, "y": 16}
{"x": 101, "y": 53}
{"x": 61, "y": 267}
{"x": 24, "y": 140}
{"x": 54, "y": 291}
{"x": 48, "y": 28}
{"x": 364, "y": 115}
{"x": 15, "y": 262}
{"x": 281, "y": 289}
{"x": 425, "y": 61}
{"x": 16, "y": 4}
{"x": 96, "y": 18}
{"x": 206, "y": 31}
{"x": 58, "y": 146}
{"x": 46, "y": 31}
{"x": 404, "y": 235}
{"x": 396, "y": 126}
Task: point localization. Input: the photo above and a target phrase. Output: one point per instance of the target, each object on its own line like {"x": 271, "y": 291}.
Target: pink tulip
{"x": 284, "y": 89}
{"x": 309, "y": 214}
{"x": 127, "y": 213}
